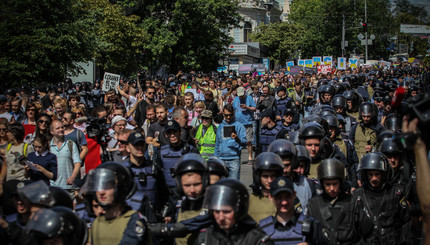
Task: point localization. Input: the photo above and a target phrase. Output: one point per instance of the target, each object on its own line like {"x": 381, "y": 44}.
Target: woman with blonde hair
{"x": 199, "y": 106}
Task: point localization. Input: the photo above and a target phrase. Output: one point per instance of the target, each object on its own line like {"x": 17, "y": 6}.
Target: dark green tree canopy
{"x": 41, "y": 40}
{"x": 186, "y": 34}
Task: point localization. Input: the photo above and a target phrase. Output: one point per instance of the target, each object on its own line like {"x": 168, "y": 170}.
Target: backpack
{"x": 25, "y": 148}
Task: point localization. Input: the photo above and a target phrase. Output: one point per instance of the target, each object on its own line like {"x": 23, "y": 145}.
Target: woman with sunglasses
{"x": 4, "y": 125}
{"x": 42, "y": 127}
{"x": 31, "y": 114}
{"x": 79, "y": 124}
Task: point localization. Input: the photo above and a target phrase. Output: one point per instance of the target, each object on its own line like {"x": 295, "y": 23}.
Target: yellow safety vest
{"x": 206, "y": 143}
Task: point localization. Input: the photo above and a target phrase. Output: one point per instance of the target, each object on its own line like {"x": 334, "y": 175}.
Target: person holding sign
{"x": 230, "y": 138}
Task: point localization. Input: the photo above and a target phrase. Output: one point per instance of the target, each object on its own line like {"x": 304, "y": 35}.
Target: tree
{"x": 186, "y": 34}
{"x": 119, "y": 39}
{"x": 41, "y": 40}
{"x": 282, "y": 39}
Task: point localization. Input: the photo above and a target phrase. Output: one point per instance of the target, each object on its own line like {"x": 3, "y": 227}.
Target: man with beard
{"x": 155, "y": 129}
{"x": 140, "y": 115}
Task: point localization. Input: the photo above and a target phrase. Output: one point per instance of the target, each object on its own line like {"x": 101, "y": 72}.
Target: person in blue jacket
{"x": 229, "y": 142}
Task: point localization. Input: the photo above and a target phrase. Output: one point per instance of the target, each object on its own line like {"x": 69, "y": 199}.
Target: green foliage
{"x": 119, "y": 40}
{"x": 186, "y": 34}
{"x": 40, "y": 40}
{"x": 281, "y": 38}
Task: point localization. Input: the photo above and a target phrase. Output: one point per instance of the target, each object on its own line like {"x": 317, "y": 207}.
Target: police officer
{"x": 353, "y": 101}
{"x": 344, "y": 145}
{"x": 192, "y": 178}
{"x": 340, "y": 105}
{"x": 217, "y": 170}
{"x": 269, "y": 129}
{"x": 289, "y": 226}
{"x": 312, "y": 136}
{"x": 289, "y": 122}
{"x": 334, "y": 208}
{"x": 283, "y": 102}
{"x": 365, "y": 134}
{"x": 268, "y": 166}
{"x": 386, "y": 219}
{"x": 304, "y": 187}
{"x": 227, "y": 202}
{"x": 148, "y": 198}
{"x": 58, "y": 225}
{"x": 169, "y": 154}
{"x": 112, "y": 185}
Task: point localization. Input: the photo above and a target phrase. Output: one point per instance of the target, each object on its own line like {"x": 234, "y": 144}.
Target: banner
{"x": 341, "y": 63}
{"x": 301, "y": 62}
{"x": 324, "y": 69}
{"x": 353, "y": 63}
{"x": 309, "y": 63}
{"x": 289, "y": 64}
{"x": 328, "y": 60}
{"x": 295, "y": 70}
{"x": 310, "y": 70}
{"x": 316, "y": 61}
{"x": 110, "y": 81}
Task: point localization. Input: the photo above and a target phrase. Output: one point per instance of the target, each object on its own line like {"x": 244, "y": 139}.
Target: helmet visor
{"x": 99, "y": 179}
{"x": 220, "y": 197}
{"x": 36, "y": 193}
{"x": 45, "y": 223}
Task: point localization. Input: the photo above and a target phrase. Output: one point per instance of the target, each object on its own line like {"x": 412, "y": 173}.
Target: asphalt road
{"x": 245, "y": 170}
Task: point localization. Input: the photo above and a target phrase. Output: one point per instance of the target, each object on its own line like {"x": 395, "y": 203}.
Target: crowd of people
{"x": 158, "y": 160}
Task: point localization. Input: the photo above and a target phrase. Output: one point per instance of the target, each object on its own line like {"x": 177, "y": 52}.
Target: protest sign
{"x": 324, "y": 69}
{"x": 316, "y": 61}
{"x": 289, "y": 64}
{"x": 341, "y": 63}
{"x": 328, "y": 60}
{"x": 309, "y": 63}
{"x": 110, "y": 81}
{"x": 301, "y": 62}
{"x": 310, "y": 70}
{"x": 353, "y": 63}
{"x": 295, "y": 70}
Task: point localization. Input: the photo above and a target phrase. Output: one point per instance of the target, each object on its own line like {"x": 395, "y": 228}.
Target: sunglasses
{"x": 31, "y": 109}
{"x": 206, "y": 118}
{"x": 151, "y": 93}
{"x": 123, "y": 142}
{"x": 3, "y": 129}
{"x": 43, "y": 121}
{"x": 228, "y": 115}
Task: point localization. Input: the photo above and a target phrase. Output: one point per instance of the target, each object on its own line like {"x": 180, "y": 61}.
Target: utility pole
{"x": 343, "y": 34}
{"x": 365, "y": 33}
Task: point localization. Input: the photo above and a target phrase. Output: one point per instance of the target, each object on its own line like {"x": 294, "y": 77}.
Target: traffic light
{"x": 365, "y": 27}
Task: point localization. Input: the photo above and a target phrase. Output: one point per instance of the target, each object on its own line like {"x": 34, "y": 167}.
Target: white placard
{"x": 110, "y": 81}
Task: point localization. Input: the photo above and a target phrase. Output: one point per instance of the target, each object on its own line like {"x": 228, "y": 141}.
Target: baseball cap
{"x": 206, "y": 113}
{"x": 281, "y": 184}
{"x": 268, "y": 113}
{"x": 135, "y": 138}
{"x": 240, "y": 91}
{"x": 204, "y": 83}
{"x": 172, "y": 125}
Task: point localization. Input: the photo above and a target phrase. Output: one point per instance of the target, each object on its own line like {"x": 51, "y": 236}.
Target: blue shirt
{"x": 244, "y": 116}
{"x": 66, "y": 161}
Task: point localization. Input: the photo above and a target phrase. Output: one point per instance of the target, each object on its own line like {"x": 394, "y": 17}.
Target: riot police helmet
{"x": 389, "y": 147}
{"x": 110, "y": 175}
{"x": 311, "y": 130}
{"x": 283, "y": 148}
{"x": 57, "y": 222}
{"x": 374, "y": 161}
{"x": 354, "y": 97}
{"x": 339, "y": 101}
{"x": 191, "y": 163}
{"x": 304, "y": 156}
{"x": 393, "y": 122}
{"x": 228, "y": 194}
{"x": 36, "y": 193}
{"x": 268, "y": 161}
{"x": 339, "y": 88}
{"x": 331, "y": 168}
{"x": 368, "y": 109}
{"x": 217, "y": 167}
